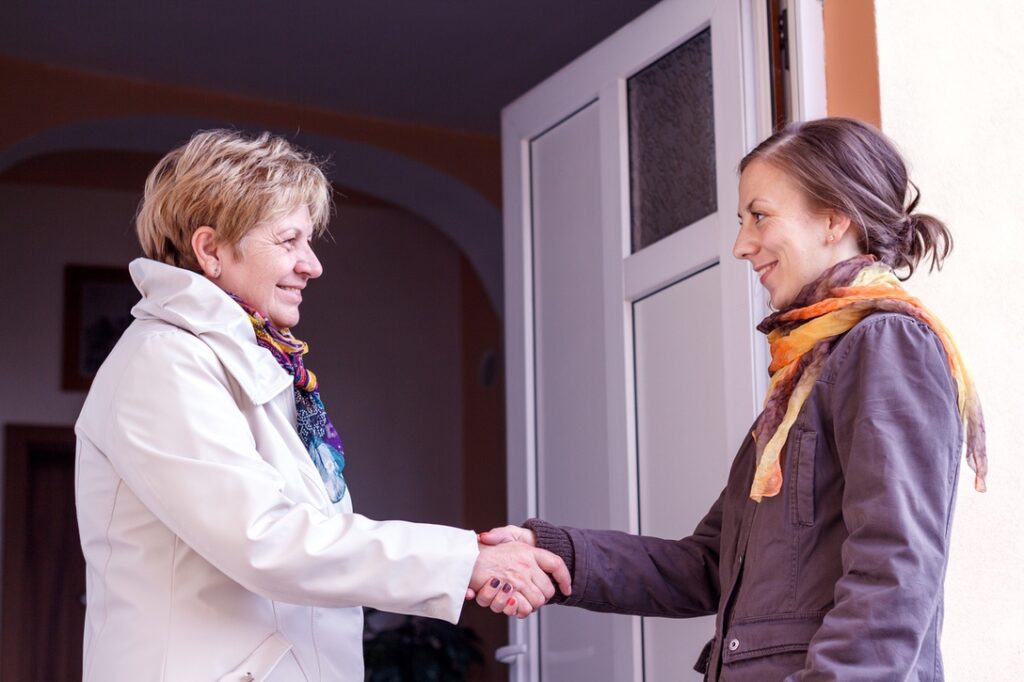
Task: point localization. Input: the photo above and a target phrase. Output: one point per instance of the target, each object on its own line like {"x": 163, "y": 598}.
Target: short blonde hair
{"x": 230, "y": 181}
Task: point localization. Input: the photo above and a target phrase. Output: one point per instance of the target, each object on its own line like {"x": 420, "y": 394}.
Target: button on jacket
{"x": 212, "y": 549}
{"x": 839, "y": 576}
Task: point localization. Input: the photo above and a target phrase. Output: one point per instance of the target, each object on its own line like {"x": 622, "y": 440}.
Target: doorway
{"x": 623, "y": 303}
{"x": 43, "y": 567}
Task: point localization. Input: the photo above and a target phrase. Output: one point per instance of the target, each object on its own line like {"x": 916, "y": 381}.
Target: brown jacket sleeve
{"x": 617, "y": 572}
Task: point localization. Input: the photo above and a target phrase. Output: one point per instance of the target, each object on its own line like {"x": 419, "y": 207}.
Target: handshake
{"x": 512, "y": 575}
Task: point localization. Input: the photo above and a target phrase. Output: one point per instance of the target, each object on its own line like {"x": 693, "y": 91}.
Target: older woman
{"x": 824, "y": 556}
{"x": 216, "y": 523}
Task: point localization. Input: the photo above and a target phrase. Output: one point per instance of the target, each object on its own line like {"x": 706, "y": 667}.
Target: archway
{"x": 464, "y": 216}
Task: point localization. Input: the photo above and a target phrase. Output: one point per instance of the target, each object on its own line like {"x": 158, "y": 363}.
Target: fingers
{"x": 527, "y": 587}
{"x": 544, "y": 584}
{"x": 514, "y": 570}
{"x": 553, "y": 565}
{"x": 506, "y": 600}
{"x": 506, "y": 595}
{"x": 501, "y": 598}
{"x": 486, "y": 594}
{"x": 518, "y": 608}
{"x": 497, "y": 536}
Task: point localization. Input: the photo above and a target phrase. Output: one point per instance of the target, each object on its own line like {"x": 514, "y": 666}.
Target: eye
{"x": 756, "y": 215}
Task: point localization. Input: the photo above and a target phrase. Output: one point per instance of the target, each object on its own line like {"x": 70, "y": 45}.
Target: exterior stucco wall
{"x": 951, "y": 95}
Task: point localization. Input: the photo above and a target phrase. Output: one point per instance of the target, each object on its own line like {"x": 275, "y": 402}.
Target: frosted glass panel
{"x": 672, "y": 142}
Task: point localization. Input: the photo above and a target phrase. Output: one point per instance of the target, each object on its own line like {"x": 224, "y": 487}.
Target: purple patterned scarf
{"x": 323, "y": 444}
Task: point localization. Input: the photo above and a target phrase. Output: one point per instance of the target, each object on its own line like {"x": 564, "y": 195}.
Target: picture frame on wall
{"x": 97, "y": 309}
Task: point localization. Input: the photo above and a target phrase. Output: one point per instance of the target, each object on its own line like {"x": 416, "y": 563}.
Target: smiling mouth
{"x": 293, "y": 291}
{"x": 764, "y": 270}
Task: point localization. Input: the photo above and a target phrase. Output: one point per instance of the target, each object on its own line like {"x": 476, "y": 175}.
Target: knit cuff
{"x": 555, "y": 540}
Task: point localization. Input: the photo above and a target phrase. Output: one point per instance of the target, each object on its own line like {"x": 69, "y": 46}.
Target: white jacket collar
{"x": 197, "y": 305}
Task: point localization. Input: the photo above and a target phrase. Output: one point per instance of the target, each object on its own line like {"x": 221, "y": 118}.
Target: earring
{"x": 831, "y": 237}
{"x": 216, "y": 271}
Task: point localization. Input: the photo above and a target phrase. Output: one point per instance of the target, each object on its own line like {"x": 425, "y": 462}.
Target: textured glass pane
{"x": 672, "y": 142}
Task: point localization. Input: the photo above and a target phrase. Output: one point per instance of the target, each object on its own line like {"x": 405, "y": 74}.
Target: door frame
{"x": 557, "y": 98}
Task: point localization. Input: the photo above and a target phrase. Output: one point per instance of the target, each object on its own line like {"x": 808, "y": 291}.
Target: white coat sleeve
{"x": 181, "y": 444}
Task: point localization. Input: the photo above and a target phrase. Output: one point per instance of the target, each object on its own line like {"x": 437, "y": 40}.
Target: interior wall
{"x": 384, "y": 328}
{"x": 383, "y": 323}
{"x": 950, "y": 79}
{"x": 48, "y": 97}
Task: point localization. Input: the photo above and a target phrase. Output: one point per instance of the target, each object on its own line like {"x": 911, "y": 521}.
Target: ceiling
{"x": 449, "y": 63}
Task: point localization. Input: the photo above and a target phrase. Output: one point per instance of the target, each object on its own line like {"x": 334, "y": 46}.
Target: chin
{"x": 285, "y": 322}
{"x": 779, "y": 302}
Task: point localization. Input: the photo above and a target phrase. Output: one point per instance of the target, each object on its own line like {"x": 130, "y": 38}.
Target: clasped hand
{"x": 512, "y": 575}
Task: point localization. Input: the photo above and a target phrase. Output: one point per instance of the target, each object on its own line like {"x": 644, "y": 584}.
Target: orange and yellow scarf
{"x": 801, "y": 338}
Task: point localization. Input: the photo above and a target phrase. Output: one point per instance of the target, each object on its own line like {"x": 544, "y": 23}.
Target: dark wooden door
{"x": 43, "y": 567}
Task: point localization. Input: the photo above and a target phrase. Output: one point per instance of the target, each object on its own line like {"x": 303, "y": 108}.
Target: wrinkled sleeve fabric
{"x": 181, "y": 444}
{"x": 898, "y": 438}
{"x": 617, "y": 572}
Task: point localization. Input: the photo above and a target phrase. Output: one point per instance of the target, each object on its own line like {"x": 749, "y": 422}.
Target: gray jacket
{"x": 839, "y": 576}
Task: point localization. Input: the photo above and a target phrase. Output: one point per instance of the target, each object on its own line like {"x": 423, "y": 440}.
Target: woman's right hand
{"x": 515, "y": 578}
{"x": 490, "y": 594}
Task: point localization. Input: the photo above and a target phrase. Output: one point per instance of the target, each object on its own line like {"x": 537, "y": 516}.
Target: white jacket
{"x": 212, "y": 549}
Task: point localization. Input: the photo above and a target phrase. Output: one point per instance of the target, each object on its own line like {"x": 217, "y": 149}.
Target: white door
{"x": 631, "y": 356}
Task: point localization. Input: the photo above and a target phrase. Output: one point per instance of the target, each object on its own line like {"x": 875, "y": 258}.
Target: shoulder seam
{"x": 847, "y": 343}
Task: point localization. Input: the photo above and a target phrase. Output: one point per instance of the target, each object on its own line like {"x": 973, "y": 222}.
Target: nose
{"x": 745, "y": 245}
{"x": 308, "y": 264}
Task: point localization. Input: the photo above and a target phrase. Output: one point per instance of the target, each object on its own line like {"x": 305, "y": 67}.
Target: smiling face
{"x": 271, "y": 265}
{"x": 783, "y": 236}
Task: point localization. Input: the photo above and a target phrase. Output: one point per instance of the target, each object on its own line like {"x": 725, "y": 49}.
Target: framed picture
{"x": 97, "y": 309}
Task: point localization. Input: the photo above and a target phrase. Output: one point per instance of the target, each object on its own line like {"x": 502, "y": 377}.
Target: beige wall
{"x": 951, "y": 96}
{"x": 851, "y": 59}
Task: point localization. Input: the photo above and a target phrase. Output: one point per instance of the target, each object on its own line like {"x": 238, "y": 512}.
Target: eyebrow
{"x": 291, "y": 228}
{"x": 749, "y": 207}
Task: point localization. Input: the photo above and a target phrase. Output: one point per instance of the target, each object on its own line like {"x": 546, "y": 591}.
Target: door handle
{"x": 509, "y": 653}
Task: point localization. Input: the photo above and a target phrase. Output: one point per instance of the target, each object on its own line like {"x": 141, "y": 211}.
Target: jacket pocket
{"x": 802, "y": 467}
{"x": 769, "y": 635}
{"x": 258, "y": 665}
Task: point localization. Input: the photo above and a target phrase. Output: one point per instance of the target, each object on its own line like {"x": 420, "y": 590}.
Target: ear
{"x": 838, "y": 225}
{"x": 206, "y": 250}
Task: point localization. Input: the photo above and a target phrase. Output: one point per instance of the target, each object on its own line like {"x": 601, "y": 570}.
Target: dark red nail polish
{"x": 495, "y": 582}
{"x": 507, "y": 587}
